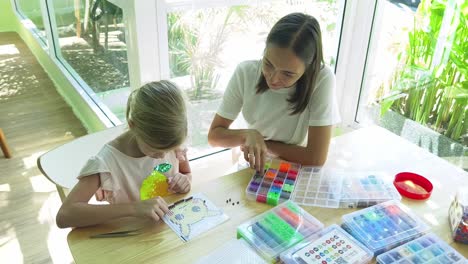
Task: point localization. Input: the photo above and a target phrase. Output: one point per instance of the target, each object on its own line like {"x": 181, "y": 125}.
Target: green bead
{"x": 273, "y": 198}
{"x": 280, "y": 229}
{"x": 293, "y": 207}
{"x": 288, "y": 188}
{"x": 163, "y": 167}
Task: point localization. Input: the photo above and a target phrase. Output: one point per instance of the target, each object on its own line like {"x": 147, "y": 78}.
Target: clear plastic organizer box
{"x": 426, "y": 249}
{"x": 364, "y": 189}
{"x": 315, "y": 186}
{"x": 332, "y": 245}
{"x": 384, "y": 226}
{"x": 277, "y": 229}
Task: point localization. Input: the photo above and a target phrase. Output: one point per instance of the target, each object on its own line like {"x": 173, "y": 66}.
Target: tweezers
{"x": 125, "y": 233}
{"x": 180, "y": 201}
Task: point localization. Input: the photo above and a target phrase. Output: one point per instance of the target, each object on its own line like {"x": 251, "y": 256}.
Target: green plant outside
{"x": 431, "y": 85}
{"x": 196, "y": 39}
{"x": 187, "y": 55}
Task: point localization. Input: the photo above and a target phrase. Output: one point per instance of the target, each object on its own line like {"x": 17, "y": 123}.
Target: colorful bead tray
{"x": 315, "y": 186}
{"x": 426, "y": 249}
{"x": 384, "y": 226}
{"x": 278, "y": 229}
{"x": 329, "y": 246}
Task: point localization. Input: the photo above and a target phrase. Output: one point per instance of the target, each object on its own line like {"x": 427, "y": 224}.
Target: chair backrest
{"x": 62, "y": 164}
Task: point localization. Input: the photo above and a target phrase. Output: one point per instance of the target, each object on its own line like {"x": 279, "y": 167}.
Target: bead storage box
{"x": 426, "y": 249}
{"x": 315, "y": 186}
{"x": 384, "y": 226}
{"x": 332, "y": 245}
{"x": 278, "y": 229}
{"x": 318, "y": 187}
{"x": 364, "y": 189}
{"x": 276, "y": 184}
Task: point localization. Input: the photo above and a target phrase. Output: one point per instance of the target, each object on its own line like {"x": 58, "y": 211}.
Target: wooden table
{"x": 370, "y": 148}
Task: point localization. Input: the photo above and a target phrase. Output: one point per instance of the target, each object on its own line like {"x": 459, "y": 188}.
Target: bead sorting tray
{"x": 331, "y": 246}
{"x": 384, "y": 226}
{"x": 315, "y": 186}
{"x": 277, "y": 229}
{"x": 426, "y": 249}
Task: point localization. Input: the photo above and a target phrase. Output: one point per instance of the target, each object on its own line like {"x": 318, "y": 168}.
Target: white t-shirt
{"x": 269, "y": 111}
{"x": 121, "y": 175}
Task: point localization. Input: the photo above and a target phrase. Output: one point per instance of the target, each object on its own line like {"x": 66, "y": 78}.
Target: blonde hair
{"x": 158, "y": 115}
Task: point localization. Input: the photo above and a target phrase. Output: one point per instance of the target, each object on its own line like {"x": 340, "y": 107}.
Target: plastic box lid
{"x": 277, "y": 229}
{"x": 384, "y": 226}
{"x": 424, "y": 249}
{"x": 331, "y": 245}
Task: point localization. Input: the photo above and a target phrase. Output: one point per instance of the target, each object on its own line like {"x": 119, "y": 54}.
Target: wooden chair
{"x": 4, "y": 146}
{"x": 62, "y": 164}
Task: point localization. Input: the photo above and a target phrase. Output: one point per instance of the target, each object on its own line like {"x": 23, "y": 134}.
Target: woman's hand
{"x": 255, "y": 150}
{"x": 179, "y": 183}
{"x": 154, "y": 208}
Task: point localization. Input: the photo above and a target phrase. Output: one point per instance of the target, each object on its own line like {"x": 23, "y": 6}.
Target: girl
{"x": 287, "y": 98}
{"x": 157, "y": 121}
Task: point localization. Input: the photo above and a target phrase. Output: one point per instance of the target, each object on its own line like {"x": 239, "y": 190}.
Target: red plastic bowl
{"x": 413, "y": 185}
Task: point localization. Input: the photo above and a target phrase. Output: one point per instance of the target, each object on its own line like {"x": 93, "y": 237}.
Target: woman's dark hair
{"x": 300, "y": 33}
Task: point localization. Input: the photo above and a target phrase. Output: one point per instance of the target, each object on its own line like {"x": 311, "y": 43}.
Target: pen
{"x": 117, "y": 234}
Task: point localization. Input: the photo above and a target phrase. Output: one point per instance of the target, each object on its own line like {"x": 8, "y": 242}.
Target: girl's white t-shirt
{"x": 269, "y": 112}
{"x": 121, "y": 175}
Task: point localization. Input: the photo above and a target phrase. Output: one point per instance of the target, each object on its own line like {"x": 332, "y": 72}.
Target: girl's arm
{"x": 315, "y": 154}
{"x": 76, "y": 212}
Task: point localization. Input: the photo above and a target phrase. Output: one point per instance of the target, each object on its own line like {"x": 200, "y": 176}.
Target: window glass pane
{"x": 206, "y": 44}
{"x": 92, "y": 42}
{"x": 32, "y": 10}
{"x": 416, "y": 79}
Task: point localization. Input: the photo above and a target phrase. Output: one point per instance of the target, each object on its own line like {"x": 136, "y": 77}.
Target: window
{"x": 207, "y": 40}
{"x": 91, "y": 44}
{"x": 31, "y": 9}
{"x": 416, "y": 74}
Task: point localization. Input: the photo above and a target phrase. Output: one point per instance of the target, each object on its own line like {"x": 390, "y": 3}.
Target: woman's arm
{"x": 315, "y": 154}
{"x": 220, "y": 135}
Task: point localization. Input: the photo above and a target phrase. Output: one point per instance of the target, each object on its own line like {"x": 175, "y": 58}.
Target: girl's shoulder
{"x": 108, "y": 153}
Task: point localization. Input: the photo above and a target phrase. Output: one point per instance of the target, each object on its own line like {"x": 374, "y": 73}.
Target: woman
{"x": 287, "y": 98}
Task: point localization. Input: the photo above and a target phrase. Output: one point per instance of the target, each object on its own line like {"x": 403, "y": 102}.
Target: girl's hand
{"x": 179, "y": 183}
{"x": 154, "y": 208}
{"x": 255, "y": 150}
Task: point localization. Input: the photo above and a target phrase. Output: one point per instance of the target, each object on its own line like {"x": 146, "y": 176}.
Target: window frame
{"x": 42, "y": 41}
